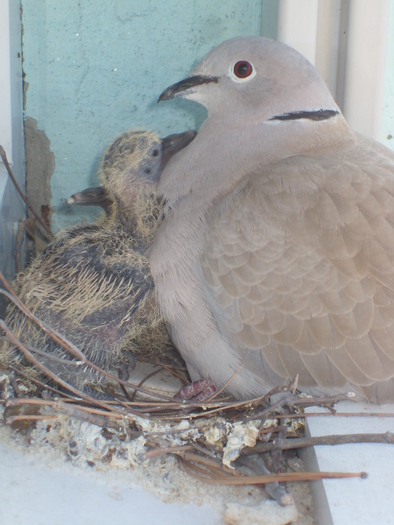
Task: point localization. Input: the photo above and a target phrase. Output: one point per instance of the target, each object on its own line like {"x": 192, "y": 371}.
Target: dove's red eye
{"x": 243, "y": 69}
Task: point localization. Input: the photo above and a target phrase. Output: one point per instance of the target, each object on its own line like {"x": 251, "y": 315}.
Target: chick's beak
{"x": 88, "y": 197}
{"x": 177, "y": 141}
{"x": 174, "y": 143}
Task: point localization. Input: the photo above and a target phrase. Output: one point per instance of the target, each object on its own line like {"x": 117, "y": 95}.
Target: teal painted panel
{"x": 269, "y": 18}
{"x": 95, "y": 69}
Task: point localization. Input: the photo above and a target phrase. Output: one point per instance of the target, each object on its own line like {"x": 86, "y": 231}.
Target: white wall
{"x": 11, "y": 128}
{"x": 5, "y": 85}
{"x": 347, "y": 41}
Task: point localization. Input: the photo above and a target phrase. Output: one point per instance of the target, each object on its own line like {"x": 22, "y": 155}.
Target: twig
{"x": 3, "y": 155}
{"x": 16, "y": 252}
{"x": 92, "y": 416}
{"x": 287, "y": 390}
{"x": 11, "y": 419}
{"x": 215, "y": 468}
{"x": 277, "y": 454}
{"x": 218, "y": 392}
{"x": 154, "y": 372}
{"x": 14, "y": 384}
{"x": 35, "y": 381}
{"x": 293, "y": 443}
{"x": 68, "y": 362}
{"x": 169, "y": 450}
{"x": 269, "y": 478}
{"x": 46, "y": 370}
{"x": 322, "y": 401}
{"x": 204, "y": 450}
{"x": 347, "y": 414}
{"x": 66, "y": 344}
{"x": 256, "y": 465}
{"x": 170, "y": 369}
{"x": 269, "y": 410}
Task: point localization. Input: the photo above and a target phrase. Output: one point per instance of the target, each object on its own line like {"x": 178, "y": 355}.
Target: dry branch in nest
{"x": 212, "y": 440}
{"x": 45, "y": 228}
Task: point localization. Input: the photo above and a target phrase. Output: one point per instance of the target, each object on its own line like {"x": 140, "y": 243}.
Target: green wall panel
{"x": 96, "y": 68}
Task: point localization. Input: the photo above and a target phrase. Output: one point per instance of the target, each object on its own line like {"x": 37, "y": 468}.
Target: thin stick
{"x": 270, "y": 478}
{"x": 211, "y": 464}
{"x": 64, "y": 406}
{"x": 34, "y": 380}
{"x": 3, "y": 155}
{"x": 46, "y": 370}
{"x": 170, "y": 369}
{"x": 16, "y": 252}
{"x": 348, "y": 414}
{"x": 153, "y": 373}
{"x": 293, "y": 443}
{"x": 11, "y": 419}
{"x": 170, "y": 450}
{"x": 218, "y": 392}
{"x": 66, "y": 344}
{"x": 323, "y": 401}
{"x": 61, "y": 360}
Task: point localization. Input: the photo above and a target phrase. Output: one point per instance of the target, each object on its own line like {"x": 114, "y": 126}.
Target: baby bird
{"x": 93, "y": 282}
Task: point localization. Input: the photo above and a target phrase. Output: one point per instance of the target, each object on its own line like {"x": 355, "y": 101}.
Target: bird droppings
{"x": 68, "y": 442}
{"x": 241, "y": 435}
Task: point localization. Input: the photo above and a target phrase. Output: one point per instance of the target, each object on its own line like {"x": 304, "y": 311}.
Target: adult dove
{"x": 275, "y": 254}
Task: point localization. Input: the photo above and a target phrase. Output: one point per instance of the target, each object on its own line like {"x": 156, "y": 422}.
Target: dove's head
{"x": 139, "y": 157}
{"x": 131, "y": 167}
{"x": 256, "y": 78}
{"x": 265, "y": 103}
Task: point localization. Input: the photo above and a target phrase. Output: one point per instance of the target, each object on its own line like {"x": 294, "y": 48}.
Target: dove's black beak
{"x": 186, "y": 86}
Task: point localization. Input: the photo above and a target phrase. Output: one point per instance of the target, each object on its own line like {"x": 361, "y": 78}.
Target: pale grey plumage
{"x": 276, "y": 252}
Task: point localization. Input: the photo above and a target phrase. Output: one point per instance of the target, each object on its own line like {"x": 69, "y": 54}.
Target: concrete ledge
{"x": 353, "y": 500}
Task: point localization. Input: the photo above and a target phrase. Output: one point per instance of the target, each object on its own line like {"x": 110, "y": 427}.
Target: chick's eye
{"x": 243, "y": 69}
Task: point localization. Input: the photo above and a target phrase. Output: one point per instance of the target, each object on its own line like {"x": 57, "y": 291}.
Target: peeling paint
{"x": 40, "y": 165}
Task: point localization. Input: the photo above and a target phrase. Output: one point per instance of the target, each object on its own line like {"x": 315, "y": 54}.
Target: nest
{"x": 213, "y": 440}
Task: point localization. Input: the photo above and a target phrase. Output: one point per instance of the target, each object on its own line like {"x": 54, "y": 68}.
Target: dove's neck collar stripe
{"x": 321, "y": 114}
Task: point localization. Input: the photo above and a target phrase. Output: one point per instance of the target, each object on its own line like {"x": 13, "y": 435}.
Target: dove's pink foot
{"x": 200, "y": 390}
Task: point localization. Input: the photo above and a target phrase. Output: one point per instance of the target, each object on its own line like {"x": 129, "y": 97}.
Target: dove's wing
{"x": 299, "y": 269}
